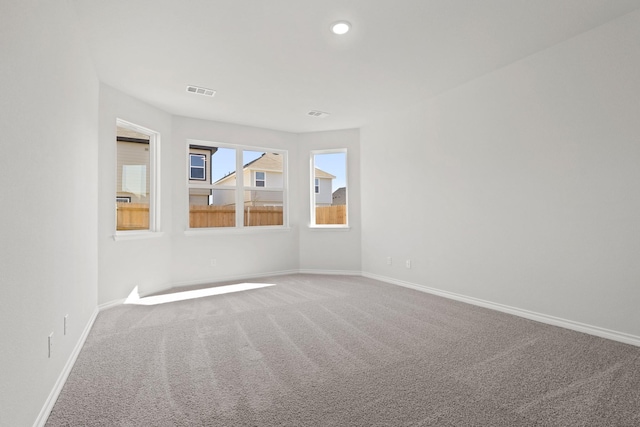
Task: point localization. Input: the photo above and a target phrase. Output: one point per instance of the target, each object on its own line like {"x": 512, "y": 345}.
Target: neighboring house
{"x": 133, "y": 162}
{"x": 322, "y": 187}
{"x": 340, "y": 196}
{"x": 265, "y": 171}
{"x": 200, "y": 173}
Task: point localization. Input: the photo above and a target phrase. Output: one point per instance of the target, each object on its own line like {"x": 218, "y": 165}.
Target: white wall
{"x": 521, "y": 187}
{"x": 125, "y": 264}
{"x": 322, "y": 249}
{"x": 48, "y": 219}
{"x": 238, "y": 253}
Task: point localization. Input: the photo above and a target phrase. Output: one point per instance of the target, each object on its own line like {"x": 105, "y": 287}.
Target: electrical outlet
{"x": 408, "y": 263}
{"x": 66, "y": 323}
{"x": 50, "y": 344}
{"x": 389, "y": 260}
{"x": 214, "y": 262}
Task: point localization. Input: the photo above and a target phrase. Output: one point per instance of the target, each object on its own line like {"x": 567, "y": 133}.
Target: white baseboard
{"x": 527, "y": 314}
{"x": 220, "y": 279}
{"x": 62, "y": 378}
{"x": 111, "y": 304}
{"x": 331, "y": 272}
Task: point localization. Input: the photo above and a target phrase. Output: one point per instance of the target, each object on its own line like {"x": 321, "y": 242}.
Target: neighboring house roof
{"x": 322, "y": 174}
{"x": 269, "y": 162}
{"x": 266, "y": 162}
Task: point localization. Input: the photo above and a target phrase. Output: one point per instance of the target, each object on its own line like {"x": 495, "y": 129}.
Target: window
{"x": 197, "y": 168}
{"x": 329, "y": 189}
{"x": 243, "y": 186}
{"x": 136, "y": 195}
{"x": 260, "y": 176}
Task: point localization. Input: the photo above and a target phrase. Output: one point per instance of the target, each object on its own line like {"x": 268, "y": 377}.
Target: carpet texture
{"x": 342, "y": 351}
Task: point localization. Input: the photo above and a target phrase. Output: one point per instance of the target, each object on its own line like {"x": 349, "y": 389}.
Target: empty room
{"x": 337, "y": 213}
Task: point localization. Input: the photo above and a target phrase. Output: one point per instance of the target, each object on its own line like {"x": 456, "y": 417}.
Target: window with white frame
{"x": 197, "y": 167}
{"x": 244, "y": 186}
{"x": 137, "y": 196}
{"x": 329, "y": 207}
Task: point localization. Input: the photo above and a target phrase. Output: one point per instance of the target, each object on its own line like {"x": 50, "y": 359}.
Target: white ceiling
{"x": 271, "y": 61}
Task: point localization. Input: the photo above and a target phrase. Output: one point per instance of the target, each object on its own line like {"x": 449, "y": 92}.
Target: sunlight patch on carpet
{"x": 134, "y": 297}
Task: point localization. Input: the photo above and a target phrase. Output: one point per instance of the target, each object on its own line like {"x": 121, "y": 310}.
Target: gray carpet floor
{"x": 342, "y": 351}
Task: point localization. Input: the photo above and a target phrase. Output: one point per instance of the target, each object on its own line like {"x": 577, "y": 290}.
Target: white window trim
{"x": 154, "y": 185}
{"x": 240, "y": 189}
{"x": 312, "y": 205}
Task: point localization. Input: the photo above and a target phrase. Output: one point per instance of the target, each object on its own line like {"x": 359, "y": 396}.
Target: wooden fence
{"x": 331, "y": 214}
{"x": 263, "y": 215}
{"x": 201, "y": 216}
{"x": 132, "y": 216}
{"x": 135, "y": 216}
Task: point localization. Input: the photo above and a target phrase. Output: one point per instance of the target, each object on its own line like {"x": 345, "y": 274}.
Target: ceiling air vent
{"x": 201, "y": 90}
{"x": 316, "y": 113}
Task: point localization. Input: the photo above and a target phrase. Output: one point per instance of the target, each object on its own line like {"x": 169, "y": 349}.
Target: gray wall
{"x": 520, "y": 187}
{"x": 48, "y": 219}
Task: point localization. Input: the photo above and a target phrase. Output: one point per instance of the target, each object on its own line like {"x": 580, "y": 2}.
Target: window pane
{"x": 197, "y": 160}
{"x": 330, "y": 188}
{"x": 263, "y": 169}
{"x": 223, "y": 166}
{"x": 263, "y": 207}
{"x": 133, "y": 180}
{"x": 197, "y": 173}
{"x": 249, "y": 157}
{"x": 211, "y": 208}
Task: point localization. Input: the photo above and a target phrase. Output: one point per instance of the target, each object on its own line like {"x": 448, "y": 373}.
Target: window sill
{"x": 330, "y": 227}
{"x": 233, "y": 230}
{"x": 137, "y": 235}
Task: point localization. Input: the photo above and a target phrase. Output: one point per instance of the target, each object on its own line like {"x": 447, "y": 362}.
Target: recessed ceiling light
{"x": 340, "y": 27}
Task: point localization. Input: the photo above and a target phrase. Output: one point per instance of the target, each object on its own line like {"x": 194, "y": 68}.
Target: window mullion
{"x": 239, "y": 189}
{"x": 313, "y": 193}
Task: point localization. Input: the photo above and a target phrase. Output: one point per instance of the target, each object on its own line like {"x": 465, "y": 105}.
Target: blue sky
{"x": 335, "y": 164}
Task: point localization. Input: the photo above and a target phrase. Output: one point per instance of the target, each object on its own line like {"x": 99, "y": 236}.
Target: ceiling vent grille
{"x": 201, "y": 90}
{"x": 316, "y": 113}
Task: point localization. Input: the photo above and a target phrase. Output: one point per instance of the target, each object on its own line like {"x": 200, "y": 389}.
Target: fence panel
{"x": 132, "y": 216}
{"x": 262, "y": 215}
{"x": 135, "y": 216}
{"x": 203, "y": 216}
{"x": 331, "y": 214}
